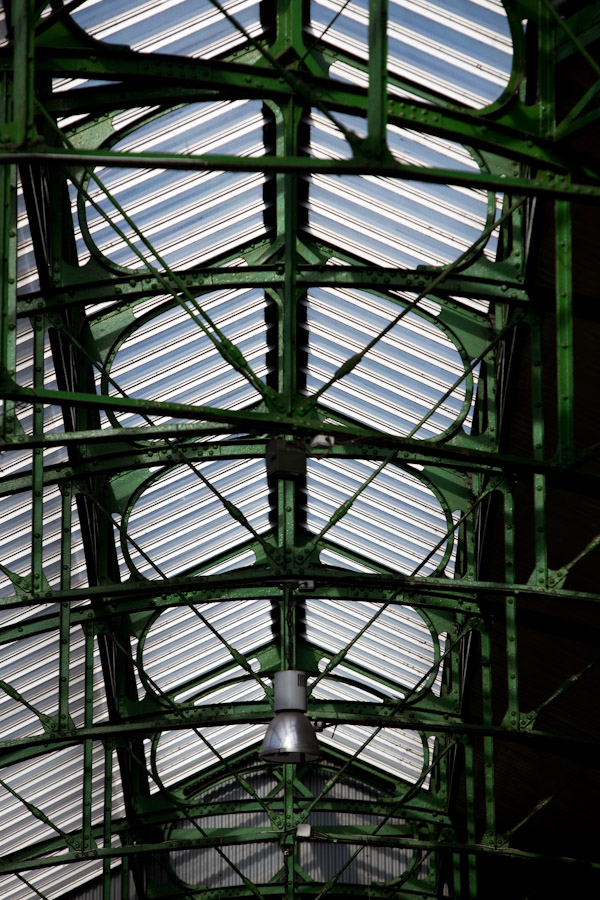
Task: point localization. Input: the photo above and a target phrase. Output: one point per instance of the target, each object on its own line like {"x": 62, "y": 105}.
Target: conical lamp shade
{"x": 290, "y": 738}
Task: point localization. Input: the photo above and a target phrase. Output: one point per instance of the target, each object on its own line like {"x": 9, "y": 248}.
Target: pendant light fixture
{"x": 290, "y": 737}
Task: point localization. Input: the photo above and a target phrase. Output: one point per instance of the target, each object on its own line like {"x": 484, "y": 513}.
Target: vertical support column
{"x": 377, "y": 109}
{"x": 546, "y": 72}
{"x": 540, "y": 573}
{"x": 23, "y": 57}
{"x": 65, "y": 606}
{"x": 124, "y": 878}
{"x": 512, "y": 672}
{"x": 288, "y": 656}
{"x": 471, "y": 861}
{"x": 37, "y": 517}
{"x": 291, "y": 120}
{"x": 107, "y": 817}
{"x": 564, "y": 333}
{"x": 88, "y": 840}
{"x": 488, "y": 742}
{"x": 288, "y": 327}
{"x": 290, "y": 35}
{"x": 8, "y": 290}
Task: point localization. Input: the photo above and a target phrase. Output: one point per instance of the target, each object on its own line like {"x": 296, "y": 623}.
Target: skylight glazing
{"x": 180, "y": 27}
{"x": 412, "y": 382}
{"x": 392, "y": 222}
{"x": 186, "y": 660}
{"x": 396, "y": 520}
{"x": 392, "y": 651}
{"x": 461, "y": 50}
{"x": 188, "y": 368}
{"x": 186, "y": 216}
{"x": 178, "y": 521}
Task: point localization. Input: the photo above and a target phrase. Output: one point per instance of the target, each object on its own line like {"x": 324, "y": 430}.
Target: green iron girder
{"x": 86, "y": 286}
{"x": 242, "y": 837}
{"x": 334, "y": 712}
{"x": 104, "y": 462}
{"x": 468, "y": 595}
{"x": 550, "y": 183}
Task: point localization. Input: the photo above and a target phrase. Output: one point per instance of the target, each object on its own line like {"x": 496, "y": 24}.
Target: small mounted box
{"x": 286, "y": 459}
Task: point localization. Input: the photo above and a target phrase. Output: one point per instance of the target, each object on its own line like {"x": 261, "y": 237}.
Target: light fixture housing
{"x": 290, "y": 737}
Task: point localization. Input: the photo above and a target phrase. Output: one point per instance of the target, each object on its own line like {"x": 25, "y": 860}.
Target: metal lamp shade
{"x": 290, "y": 738}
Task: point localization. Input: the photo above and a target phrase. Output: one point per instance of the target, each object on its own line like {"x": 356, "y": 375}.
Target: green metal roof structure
{"x": 299, "y": 329}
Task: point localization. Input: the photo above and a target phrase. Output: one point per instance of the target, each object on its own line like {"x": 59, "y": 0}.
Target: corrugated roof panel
{"x": 51, "y": 883}
{"x": 52, "y": 783}
{"x": 397, "y": 519}
{"x": 27, "y": 275}
{"x": 399, "y": 380}
{"x": 179, "y": 650}
{"x": 31, "y": 668}
{"x": 16, "y": 539}
{"x": 347, "y": 689}
{"x": 242, "y": 691}
{"x": 461, "y": 50}
{"x": 393, "y": 222}
{"x": 394, "y": 750}
{"x": 179, "y": 522}
{"x": 170, "y": 358}
{"x": 206, "y": 866}
{"x": 397, "y": 647}
{"x": 62, "y": 801}
{"x": 182, "y": 754}
{"x": 181, "y": 27}
{"x": 235, "y": 561}
{"x": 52, "y": 419}
{"x": 187, "y": 217}
{"x": 351, "y": 863}
{"x": 263, "y": 779}
{"x": 331, "y": 558}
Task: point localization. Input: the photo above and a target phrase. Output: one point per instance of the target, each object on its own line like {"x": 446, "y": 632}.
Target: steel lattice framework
{"x": 162, "y": 761}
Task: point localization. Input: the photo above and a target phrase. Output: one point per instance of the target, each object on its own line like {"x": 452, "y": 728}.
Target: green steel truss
{"x": 451, "y": 824}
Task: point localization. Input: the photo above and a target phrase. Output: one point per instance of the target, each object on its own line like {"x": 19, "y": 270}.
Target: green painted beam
{"x": 545, "y": 183}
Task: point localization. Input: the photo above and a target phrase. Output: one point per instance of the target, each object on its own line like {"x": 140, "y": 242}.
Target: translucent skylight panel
{"x": 348, "y": 689}
{"x": 330, "y": 557}
{"x": 53, "y": 784}
{"x": 397, "y": 644}
{"x": 52, "y": 418}
{"x": 16, "y": 544}
{"x": 180, "y": 649}
{"x": 51, "y": 883}
{"x": 31, "y": 671}
{"x": 171, "y": 358}
{"x": 178, "y": 521}
{"x": 392, "y": 221}
{"x": 236, "y": 692}
{"x": 395, "y": 751}
{"x": 30, "y": 668}
{"x": 396, "y": 519}
{"x": 185, "y": 217}
{"x": 181, "y": 27}
{"x": 461, "y": 50}
{"x": 410, "y": 382}
{"x": 27, "y": 275}
{"x": 182, "y": 754}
